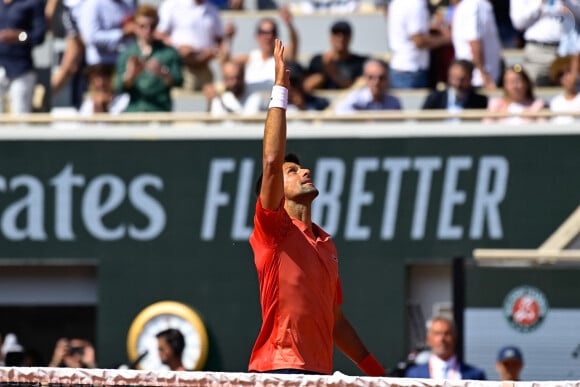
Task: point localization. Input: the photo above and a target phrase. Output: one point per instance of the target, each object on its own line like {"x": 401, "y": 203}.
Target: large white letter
{"x": 240, "y": 229}
{"x": 63, "y": 201}
{"x": 148, "y": 205}
{"x": 94, "y": 211}
{"x": 358, "y": 198}
{"x": 215, "y": 198}
{"x": 32, "y": 204}
{"x": 329, "y": 179}
{"x": 395, "y": 166}
{"x": 450, "y": 197}
{"x": 425, "y": 166}
{"x": 488, "y": 196}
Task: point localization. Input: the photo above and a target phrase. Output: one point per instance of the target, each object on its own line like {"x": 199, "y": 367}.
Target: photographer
{"x": 73, "y": 353}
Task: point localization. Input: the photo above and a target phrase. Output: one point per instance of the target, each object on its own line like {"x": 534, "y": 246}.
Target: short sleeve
{"x": 270, "y": 225}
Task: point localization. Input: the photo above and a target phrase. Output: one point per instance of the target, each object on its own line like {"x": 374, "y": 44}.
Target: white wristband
{"x": 279, "y": 98}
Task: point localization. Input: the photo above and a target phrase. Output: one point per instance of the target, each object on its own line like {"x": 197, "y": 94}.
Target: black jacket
{"x": 438, "y": 100}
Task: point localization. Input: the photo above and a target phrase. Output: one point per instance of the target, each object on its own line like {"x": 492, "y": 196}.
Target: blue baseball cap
{"x": 510, "y": 353}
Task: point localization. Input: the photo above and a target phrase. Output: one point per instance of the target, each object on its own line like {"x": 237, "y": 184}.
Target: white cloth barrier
{"x": 112, "y": 377}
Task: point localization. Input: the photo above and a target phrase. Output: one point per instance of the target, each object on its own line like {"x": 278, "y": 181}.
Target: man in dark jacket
{"x": 443, "y": 362}
{"x": 459, "y": 94}
{"x": 22, "y": 26}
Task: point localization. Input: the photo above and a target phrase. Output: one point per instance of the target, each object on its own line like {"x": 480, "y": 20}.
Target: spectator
{"x": 235, "y": 99}
{"x": 101, "y": 97}
{"x": 259, "y": 63}
{"x": 410, "y": 41}
{"x": 459, "y": 93}
{"x": 443, "y": 363}
{"x": 73, "y": 353}
{"x": 518, "y": 97}
{"x": 564, "y": 70}
{"x": 544, "y": 27}
{"x": 509, "y": 364}
{"x": 298, "y": 98}
{"x": 107, "y": 28}
{"x": 73, "y": 57}
{"x": 22, "y": 27}
{"x": 476, "y": 39}
{"x": 171, "y": 344}
{"x": 195, "y": 29}
{"x": 374, "y": 96}
{"x": 148, "y": 68}
{"x": 337, "y": 68}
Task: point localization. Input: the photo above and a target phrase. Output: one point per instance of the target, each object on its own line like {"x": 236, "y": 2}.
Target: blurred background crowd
{"x": 121, "y": 56}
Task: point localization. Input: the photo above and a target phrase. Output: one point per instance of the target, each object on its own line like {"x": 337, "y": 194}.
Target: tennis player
{"x": 297, "y": 262}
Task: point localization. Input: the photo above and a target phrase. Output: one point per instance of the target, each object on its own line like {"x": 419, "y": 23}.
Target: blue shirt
{"x": 362, "y": 99}
{"x": 101, "y": 26}
{"x": 26, "y": 15}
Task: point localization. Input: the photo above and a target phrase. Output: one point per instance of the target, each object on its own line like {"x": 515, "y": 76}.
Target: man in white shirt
{"x": 410, "y": 42}
{"x": 475, "y": 38}
{"x": 195, "y": 29}
{"x": 544, "y": 25}
{"x": 107, "y": 28}
{"x": 235, "y": 99}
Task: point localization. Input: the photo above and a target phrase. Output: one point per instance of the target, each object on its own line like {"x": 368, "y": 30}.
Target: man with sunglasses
{"x": 338, "y": 67}
{"x": 375, "y": 95}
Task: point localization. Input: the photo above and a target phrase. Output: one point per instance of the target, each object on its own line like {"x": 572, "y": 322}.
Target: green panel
{"x": 103, "y": 200}
{"x": 559, "y": 285}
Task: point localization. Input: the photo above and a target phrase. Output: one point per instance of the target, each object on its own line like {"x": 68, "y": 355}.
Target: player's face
{"x": 298, "y": 182}
{"x": 441, "y": 339}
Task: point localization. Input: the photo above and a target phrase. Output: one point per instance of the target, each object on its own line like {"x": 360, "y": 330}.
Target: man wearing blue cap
{"x": 510, "y": 362}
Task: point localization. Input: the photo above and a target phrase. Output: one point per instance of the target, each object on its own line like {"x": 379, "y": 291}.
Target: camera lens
{"x": 77, "y": 351}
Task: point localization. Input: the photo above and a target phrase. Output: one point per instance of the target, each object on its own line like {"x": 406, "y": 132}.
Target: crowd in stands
{"x": 124, "y": 56}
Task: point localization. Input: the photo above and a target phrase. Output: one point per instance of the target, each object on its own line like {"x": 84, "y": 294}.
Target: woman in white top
{"x": 259, "y": 63}
{"x": 518, "y": 97}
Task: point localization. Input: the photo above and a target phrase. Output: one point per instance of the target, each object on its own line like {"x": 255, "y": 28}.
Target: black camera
{"x": 76, "y": 351}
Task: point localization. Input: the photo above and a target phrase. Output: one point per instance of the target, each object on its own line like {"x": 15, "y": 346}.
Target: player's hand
{"x": 282, "y": 73}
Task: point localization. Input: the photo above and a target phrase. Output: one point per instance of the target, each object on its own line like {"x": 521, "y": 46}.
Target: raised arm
{"x": 274, "y": 145}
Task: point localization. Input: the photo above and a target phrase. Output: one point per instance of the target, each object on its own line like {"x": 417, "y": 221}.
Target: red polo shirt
{"x": 299, "y": 289}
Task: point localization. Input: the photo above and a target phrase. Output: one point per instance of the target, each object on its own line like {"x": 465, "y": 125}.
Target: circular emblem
{"x": 525, "y": 308}
{"x": 142, "y": 336}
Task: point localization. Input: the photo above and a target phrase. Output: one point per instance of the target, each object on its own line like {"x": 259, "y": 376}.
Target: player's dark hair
{"x": 289, "y": 158}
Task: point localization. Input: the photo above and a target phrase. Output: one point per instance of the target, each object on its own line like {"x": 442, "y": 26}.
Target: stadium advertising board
{"x": 170, "y": 219}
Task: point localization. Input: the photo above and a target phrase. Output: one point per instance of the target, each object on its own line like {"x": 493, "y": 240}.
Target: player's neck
{"x": 300, "y": 211}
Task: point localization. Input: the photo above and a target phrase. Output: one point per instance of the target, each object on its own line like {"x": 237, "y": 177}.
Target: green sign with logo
{"x": 170, "y": 220}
